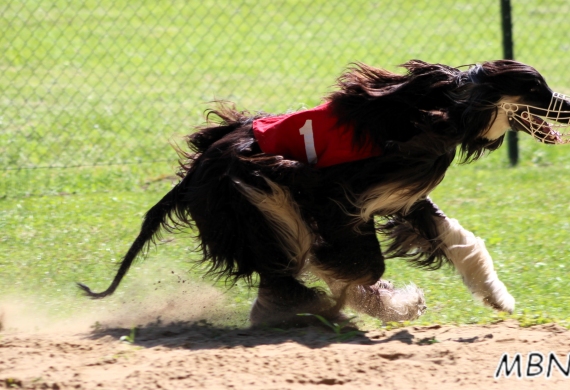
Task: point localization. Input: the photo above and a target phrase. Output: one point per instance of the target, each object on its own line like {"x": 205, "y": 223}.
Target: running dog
{"x": 308, "y": 191}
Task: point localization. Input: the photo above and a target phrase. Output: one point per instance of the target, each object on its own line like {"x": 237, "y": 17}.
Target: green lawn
{"x": 50, "y": 242}
{"x": 111, "y": 83}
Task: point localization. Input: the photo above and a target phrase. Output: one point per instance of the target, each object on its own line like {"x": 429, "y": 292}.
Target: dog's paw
{"x": 268, "y": 311}
{"x": 406, "y": 304}
{"x": 384, "y": 302}
{"x": 495, "y": 295}
{"x": 505, "y": 302}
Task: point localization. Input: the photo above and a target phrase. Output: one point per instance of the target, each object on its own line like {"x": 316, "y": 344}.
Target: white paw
{"x": 384, "y": 302}
{"x": 405, "y": 304}
{"x": 503, "y": 302}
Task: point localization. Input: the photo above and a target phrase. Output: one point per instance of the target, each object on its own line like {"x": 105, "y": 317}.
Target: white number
{"x": 307, "y": 132}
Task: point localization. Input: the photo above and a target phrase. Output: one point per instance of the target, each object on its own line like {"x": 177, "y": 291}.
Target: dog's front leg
{"x": 474, "y": 263}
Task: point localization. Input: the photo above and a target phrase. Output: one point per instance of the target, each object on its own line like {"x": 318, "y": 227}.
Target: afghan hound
{"x": 284, "y": 195}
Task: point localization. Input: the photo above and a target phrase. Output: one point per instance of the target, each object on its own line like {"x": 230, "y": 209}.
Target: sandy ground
{"x": 185, "y": 355}
{"x": 177, "y": 349}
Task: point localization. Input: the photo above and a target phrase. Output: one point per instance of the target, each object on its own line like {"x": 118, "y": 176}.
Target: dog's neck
{"x": 500, "y": 125}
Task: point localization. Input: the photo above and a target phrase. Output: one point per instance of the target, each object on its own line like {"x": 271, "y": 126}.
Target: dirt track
{"x": 184, "y": 355}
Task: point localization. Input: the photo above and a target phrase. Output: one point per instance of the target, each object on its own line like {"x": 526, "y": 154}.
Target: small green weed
{"x": 12, "y": 383}
{"x": 396, "y": 324}
{"x": 96, "y": 326}
{"x": 336, "y": 327}
{"x": 131, "y": 337}
{"x": 428, "y": 341}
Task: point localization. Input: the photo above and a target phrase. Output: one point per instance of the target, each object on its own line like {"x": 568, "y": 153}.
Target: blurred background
{"x": 93, "y": 92}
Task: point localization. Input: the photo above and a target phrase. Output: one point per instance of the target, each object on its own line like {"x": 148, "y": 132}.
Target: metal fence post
{"x": 508, "y": 53}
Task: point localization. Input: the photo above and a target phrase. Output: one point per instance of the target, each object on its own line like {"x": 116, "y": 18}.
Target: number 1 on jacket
{"x": 307, "y": 132}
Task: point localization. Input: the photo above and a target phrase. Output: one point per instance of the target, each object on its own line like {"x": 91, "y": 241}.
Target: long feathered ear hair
{"x": 478, "y": 91}
{"x": 476, "y": 96}
{"x": 429, "y": 101}
{"x": 384, "y": 107}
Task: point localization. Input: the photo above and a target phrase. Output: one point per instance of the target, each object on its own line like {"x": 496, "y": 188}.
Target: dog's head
{"x": 547, "y": 123}
{"x": 524, "y": 101}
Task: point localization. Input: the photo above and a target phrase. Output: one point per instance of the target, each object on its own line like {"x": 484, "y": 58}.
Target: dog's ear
{"x": 508, "y": 77}
{"x": 476, "y": 74}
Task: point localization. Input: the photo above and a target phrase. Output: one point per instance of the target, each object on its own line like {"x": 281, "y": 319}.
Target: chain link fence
{"x": 111, "y": 83}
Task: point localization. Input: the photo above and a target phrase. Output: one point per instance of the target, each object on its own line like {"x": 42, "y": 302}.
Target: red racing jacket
{"x": 310, "y": 136}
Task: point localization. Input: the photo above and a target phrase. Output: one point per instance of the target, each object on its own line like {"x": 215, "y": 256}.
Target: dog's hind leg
{"x": 281, "y": 248}
{"x": 281, "y": 299}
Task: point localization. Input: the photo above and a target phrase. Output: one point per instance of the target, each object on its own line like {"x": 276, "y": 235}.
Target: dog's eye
{"x": 536, "y": 87}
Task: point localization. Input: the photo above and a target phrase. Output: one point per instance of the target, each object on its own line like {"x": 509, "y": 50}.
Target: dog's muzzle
{"x": 548, "y": 125}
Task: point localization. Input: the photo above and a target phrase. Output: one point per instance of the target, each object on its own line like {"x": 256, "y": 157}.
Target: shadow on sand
{"x": 204, "y": 335}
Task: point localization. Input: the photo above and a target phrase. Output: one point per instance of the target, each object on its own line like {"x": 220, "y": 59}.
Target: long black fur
{"x": 421, "y": 120}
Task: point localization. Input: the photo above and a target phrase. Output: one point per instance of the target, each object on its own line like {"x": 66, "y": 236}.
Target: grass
{"x": 107, "y": 83}
{"x": 110, "y": 83}
{"x": 51, "y": 242}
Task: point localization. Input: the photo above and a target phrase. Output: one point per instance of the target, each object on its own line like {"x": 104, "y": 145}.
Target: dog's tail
{"x": 174, "y": 210}
{"x": 157, "y": 217}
